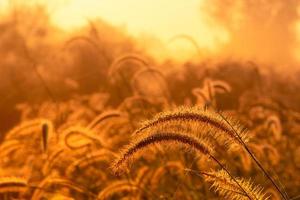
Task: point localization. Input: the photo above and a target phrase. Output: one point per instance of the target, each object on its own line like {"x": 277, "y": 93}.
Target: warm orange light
{"x": 261, "y": 31}
{"x": 160, "y": 19}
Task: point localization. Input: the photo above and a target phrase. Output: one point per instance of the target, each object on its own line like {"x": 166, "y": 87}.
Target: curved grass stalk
{"x": 283, "y": 195}
{"x": 117, "y": 63}
{"x": 137, "y": 185}
{"x": 189, "y": 39}
{"x": 77, "y": 130}
{"x": 116, "y": 187}
{"x": 273, "y": 125}
{"x": 103, "y": 117}
{"x": 41, "y": 188}
{"x": 51, "y": 160}
{"x": 28, "y": 127}
{"x": 13, "y": 184}
{"x": 220, "y": 86}
{"x": 89, "y": 41}
{"x": 10, "y": 146}
{"x": 81, "y": 163}
{"x": 169, "y": 166}
{"x": 187, "y": 140}
{"x": 227, "y": 188}
{"x": 184, "y": 116}
{"x": 149, "y": 70}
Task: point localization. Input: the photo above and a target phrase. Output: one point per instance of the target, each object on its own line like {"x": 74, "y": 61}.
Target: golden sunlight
{"x": 164, "y": 19}
{"x": 149, "y": 99}
{"x": 141, "y": 19}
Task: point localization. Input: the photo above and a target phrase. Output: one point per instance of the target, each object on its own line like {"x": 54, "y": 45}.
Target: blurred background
{"x": 68, "y": 61}
{"x": 37, "y": 57}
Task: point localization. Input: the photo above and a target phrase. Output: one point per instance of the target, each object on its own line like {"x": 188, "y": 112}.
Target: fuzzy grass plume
{"x": 147, "y": 140}
{"x": 194, "y": 116}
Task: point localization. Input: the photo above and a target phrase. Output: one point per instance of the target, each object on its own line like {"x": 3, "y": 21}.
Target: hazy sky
{"x": 162, "y": 18}
{"x": 246, "y": 29}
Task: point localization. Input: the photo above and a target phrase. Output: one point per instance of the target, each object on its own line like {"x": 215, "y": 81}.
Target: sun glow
{"x": 237, "y": 29}
{"x": 164, "y": 19}
{"x": 152, "y": 18}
